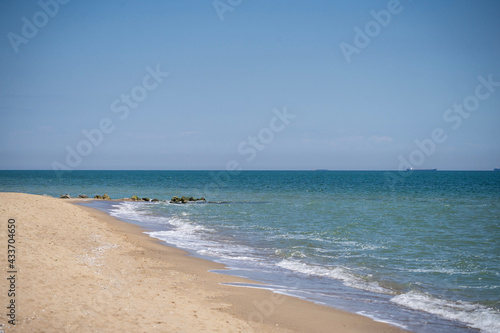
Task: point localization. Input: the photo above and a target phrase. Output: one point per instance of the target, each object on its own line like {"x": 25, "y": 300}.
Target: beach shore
{"x": 77, "y": 269}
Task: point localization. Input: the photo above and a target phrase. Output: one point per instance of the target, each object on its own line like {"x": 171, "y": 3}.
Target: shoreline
{"x": 114, "y": 277}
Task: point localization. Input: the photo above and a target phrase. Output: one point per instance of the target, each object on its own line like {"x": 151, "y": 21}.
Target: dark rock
{"x": 97, "y": 197}
{"x": 65, "y": 196}
{"x": 146, "y": 199}
{"x": 155, "y": 200}
{"x": 83, "y": 196}
{"x": 106, "y": 197}
{"x": 186, "y": 199}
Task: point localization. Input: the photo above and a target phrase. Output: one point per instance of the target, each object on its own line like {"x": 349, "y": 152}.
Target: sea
{"x": 416, "y": 249}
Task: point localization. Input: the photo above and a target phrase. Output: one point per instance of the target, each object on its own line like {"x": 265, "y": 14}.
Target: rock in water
{"x": 184, "y": 199}
{"x": 83, "y": 196}
{"x": 97, "y": 197}
{"x": 65, "y": 196}
{"x": 106, "y": 197}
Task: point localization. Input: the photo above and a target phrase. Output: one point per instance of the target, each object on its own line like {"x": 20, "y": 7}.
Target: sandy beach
{"x": 79, "y": 270}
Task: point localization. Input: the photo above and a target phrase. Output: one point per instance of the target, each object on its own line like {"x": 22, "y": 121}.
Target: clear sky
{"x": 260, "y": 84}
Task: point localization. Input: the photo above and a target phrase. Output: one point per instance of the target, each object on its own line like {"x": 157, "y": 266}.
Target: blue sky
{"x": 259, "y": 84}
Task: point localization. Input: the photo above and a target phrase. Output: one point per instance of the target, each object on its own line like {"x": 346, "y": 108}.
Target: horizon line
{"x": 231, "y": 171}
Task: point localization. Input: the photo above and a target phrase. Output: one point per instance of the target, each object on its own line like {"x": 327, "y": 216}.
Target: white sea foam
{"x": 127, "y": 210}
{"x": 184, "y": 233}
{"x": 136, "y": 211}
{"x": 195, "y": 237}
{"x": 227, "y": 251}
{"x": 475, "y": 315}
{"x": 441, "y": 270}
{"x": 339, "y": 273}
{"x": 181, "y": 231}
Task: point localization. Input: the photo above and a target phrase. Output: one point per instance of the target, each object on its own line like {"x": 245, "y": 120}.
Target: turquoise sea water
{"x": 422, "y": 253}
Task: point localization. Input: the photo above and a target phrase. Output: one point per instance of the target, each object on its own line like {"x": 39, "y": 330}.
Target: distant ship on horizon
{"x": 496, "y": 169}
{"x": 411, "y": 169}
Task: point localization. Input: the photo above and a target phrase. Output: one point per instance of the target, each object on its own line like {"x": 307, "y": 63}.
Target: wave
{"x": 338, "y": 273}
{"x": 127, "y": 210}
{"x": 180, "y": 231}
{"x": 475, "y": 315}
{"x": 440, "y": 270}
{"x": 197, "y": 238}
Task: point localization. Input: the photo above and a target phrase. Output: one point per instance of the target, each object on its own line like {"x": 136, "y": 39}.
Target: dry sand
{"x": 80, "y": 270}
